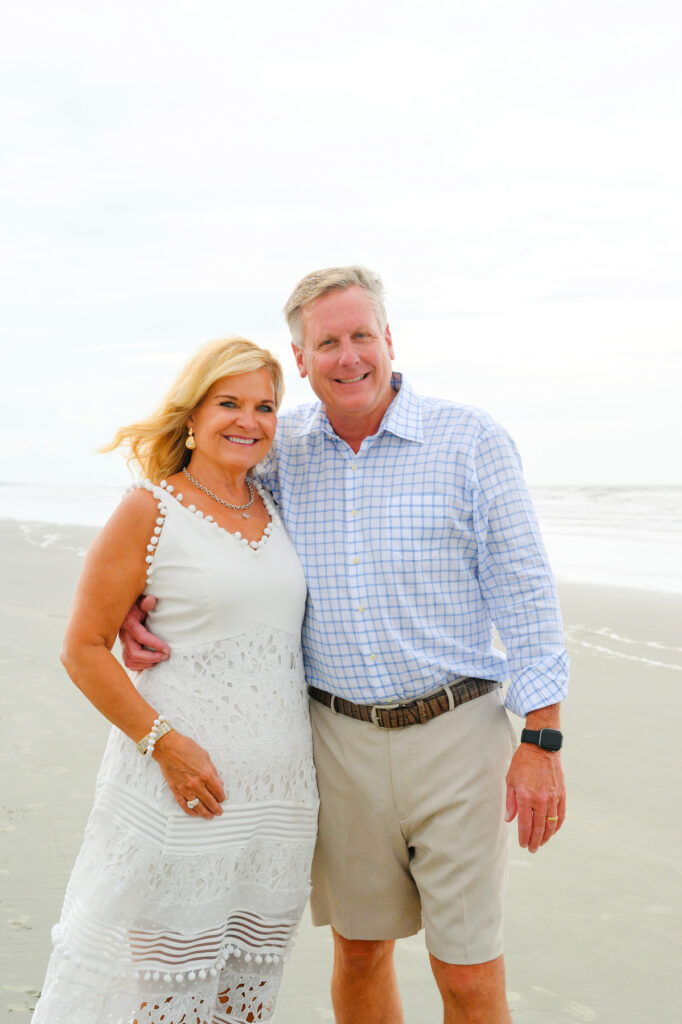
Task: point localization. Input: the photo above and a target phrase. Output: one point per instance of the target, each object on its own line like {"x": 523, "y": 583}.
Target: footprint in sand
{"x": 30, "y": 994}
{"x": 20, "y": 922}
{"x": 21, "y": 988}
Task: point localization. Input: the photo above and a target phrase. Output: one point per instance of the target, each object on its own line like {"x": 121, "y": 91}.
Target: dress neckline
{"x": 252, "y": 545}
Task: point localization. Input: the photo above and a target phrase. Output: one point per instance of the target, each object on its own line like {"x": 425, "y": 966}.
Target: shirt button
{"x": 353, "y": 466}
{"x": 361, "y": 607}
{"x": 372, "y": 657}
{"x": 355, "y": 560}
{"x": 354, "y": 512}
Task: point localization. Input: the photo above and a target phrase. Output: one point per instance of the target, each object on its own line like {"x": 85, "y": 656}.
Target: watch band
{"x": 546, "y": 739}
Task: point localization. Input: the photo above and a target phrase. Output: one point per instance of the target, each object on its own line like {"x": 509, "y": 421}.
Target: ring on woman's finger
{"x": 191, "y": 804}
{"x": 552, "y": 819}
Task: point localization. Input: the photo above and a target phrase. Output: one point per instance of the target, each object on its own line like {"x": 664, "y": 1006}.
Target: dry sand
{"x": 593, "y": 920}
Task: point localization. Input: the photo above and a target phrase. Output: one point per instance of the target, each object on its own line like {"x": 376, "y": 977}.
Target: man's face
{"x": 346, "y": 355}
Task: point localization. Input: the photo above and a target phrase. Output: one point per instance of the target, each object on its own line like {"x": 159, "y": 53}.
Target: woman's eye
{"x": 227, "y": 403}
{"x": 266, "y": 408}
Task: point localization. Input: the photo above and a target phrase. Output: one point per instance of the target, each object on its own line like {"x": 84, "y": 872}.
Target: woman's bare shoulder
{"x": 115, "y": 567}
{"x": 139, "y": 500}
{"x": 132, "y": 520}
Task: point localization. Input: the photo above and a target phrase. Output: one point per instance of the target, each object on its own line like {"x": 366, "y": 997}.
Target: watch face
{"x": 550, "y": 739}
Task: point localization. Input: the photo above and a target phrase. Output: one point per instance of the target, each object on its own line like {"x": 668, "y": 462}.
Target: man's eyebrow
{"x": 360, "y": 329}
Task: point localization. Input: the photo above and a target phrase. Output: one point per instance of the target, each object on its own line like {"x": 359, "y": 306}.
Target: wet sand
{"x": 593, "y": 920}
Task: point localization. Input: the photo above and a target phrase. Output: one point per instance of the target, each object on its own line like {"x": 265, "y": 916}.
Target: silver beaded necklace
{"x": 237, "y": 508}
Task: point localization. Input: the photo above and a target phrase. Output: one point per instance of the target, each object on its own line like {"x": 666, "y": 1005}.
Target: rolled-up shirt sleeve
{"x": 515, "y": 579}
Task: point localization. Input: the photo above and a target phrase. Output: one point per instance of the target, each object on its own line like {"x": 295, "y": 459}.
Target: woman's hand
{"x": 190, "y": 773}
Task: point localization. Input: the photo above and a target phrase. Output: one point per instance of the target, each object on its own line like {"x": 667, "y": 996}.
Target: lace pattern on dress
{"x": 235, "y": 995}
{"x": 244, "y": 699}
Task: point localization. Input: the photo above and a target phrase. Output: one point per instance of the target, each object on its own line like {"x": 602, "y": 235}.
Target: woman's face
{"x": 235, "y": 424}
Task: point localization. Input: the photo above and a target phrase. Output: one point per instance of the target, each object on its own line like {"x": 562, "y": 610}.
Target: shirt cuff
{"x": 543, "y": 683}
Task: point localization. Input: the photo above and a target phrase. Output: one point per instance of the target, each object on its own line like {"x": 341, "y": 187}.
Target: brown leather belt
{"x": 413, "y": 712}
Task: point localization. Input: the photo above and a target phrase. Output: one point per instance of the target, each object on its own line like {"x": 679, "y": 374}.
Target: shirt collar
{"x": 404, "y": 415}
{"x": 402, "y": 418}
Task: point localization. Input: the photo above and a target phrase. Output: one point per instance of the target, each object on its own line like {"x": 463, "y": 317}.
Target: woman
{"x": 194, "y": 870}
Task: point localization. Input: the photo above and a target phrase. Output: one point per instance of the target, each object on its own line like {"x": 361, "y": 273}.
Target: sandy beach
{"x": 593, "y": 920}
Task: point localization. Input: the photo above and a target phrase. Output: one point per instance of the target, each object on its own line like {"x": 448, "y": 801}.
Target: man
{"x": 417, "y": 535}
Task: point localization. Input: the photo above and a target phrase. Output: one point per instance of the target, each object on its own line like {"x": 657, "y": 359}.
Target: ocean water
{"x": 627, "y": 536}
{"x": 48, "y": 503}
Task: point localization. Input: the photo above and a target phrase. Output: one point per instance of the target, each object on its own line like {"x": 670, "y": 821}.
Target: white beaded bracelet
{"x": 160, "y": 727}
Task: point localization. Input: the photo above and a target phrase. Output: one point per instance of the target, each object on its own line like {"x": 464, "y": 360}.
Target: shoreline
{"x": 592, "y": 920}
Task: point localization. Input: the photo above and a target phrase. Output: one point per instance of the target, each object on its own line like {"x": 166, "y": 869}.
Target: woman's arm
{"x": 113, "y": 575}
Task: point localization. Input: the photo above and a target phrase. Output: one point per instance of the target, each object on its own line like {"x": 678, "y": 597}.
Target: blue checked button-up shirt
{"x": 413, "y": 549}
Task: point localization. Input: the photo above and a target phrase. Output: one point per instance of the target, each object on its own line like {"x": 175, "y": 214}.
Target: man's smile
{"x": 350, "y": 380}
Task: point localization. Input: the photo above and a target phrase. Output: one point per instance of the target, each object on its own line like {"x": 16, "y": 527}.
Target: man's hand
{"x": 135, "y": 639}
{"x": 537, "y": 793}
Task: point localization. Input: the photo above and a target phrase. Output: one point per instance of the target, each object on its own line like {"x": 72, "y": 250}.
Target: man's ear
{"x": 389, "y": 341}
{"x": 299, "y": 356}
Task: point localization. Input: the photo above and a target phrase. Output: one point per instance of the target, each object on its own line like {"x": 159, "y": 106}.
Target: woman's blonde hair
{"x": 156, "y": 445}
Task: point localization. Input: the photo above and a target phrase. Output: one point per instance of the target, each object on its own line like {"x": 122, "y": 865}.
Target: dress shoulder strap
{"x": 162, "y": 493}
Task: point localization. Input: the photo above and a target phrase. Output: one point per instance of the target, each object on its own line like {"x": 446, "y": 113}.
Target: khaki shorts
{"x": 411, "y": 828}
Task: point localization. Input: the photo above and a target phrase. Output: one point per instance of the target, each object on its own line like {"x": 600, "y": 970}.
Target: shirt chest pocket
{"x": 416, "y": 527}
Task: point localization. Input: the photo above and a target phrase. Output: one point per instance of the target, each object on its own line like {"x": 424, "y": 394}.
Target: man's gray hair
{"x": 333, "y": 278}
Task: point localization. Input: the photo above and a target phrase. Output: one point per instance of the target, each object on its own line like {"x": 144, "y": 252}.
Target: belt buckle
{"x": 384, "y": 707}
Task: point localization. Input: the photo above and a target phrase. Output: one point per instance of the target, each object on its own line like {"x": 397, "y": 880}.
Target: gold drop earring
{"x": 191, "y": 440}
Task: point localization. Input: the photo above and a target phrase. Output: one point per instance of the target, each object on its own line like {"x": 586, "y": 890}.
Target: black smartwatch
{"x": 546, "y": 739}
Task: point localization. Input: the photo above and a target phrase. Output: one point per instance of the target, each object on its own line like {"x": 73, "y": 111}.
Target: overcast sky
{"x": 513, "y": 170}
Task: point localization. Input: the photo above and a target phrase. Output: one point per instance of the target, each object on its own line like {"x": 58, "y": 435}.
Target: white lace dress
{"x": 172, "y": 919}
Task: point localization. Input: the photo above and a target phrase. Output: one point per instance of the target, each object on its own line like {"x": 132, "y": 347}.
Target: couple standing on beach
{"x": 416, "y": 534}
